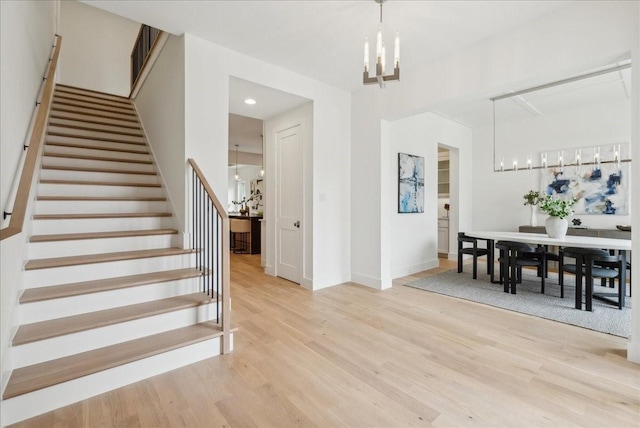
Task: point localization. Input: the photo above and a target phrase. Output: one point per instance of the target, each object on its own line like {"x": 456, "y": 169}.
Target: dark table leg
{"x": 491, "y": 260}
{"x": 579, "y": 283}
{"x": 623, "y": 278}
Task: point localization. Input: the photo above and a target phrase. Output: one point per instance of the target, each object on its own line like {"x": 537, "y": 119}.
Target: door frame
{"x": 303, "y": 116}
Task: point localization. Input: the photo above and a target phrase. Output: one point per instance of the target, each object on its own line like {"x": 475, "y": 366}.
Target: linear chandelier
{"x": 380, "y": 78}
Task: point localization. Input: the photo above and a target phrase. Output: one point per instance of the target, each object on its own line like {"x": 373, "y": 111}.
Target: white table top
{"x": 567, "y": 241}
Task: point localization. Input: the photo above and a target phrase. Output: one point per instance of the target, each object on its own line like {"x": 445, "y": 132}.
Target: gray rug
{"x": 528, "y": 300}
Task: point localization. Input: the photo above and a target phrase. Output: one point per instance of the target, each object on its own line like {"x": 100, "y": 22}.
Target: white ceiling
{"x": 324, "y": 40}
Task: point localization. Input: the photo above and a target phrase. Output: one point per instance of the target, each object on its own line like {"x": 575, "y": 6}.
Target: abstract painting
{"x": 603, "y": 190}
{"x": 410, "y": 183}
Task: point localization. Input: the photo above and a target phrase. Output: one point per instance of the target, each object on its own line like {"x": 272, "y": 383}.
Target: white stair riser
{"x": 74, "y": 305}
{"x": 108, "y": 145}
{"x": 51, "y": 189}
{"x": 92, "y": 152}
{"x": 43, "y": 227}
{"x": 56, "y": 174}
{"x": 43, "y": 250}
{"x": 90, "y": 99}
{"x": 69, "y": 344}
{"x": 86, "y": 119}
{"x": 92, "y": 105}
{"x": 26, "y": 406}
{"x": 91, "y": 112}
{"x": 79, "y": 91}
{"x": 128, "y": 166}
{"x": 88, "y": 272}
{"x": 82, "y": 133}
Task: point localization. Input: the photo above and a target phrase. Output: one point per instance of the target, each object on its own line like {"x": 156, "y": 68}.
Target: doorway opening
{"x": 444, "y": 201}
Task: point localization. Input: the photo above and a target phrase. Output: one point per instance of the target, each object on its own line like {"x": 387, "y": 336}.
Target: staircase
{"x": 110, "y": 297}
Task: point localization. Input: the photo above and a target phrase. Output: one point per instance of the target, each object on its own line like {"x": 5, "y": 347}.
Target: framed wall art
{"x": 410, "y": 183}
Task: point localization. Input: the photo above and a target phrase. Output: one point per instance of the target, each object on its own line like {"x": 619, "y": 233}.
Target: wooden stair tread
{"x": 104, "y": 148}
{"x": 99, "y": 183}
{"x": 96, "y": 158}
{"x": 55, "y": 262}
{"x": 105, "y": 170}
{"x": 101, "y": 235}
{"x": 39, "y": 294}
{"x": 94, "y": 113}
{"x": 91, "y": 127}
{"x": 94, "y": 100}
{"x": 101, "y": 198}
{"x": 125, "y": 110}
{"x": 42, "y": 330}
{"x": 90, "y": 92}
{"x": 38, "y": 376}
{"x": 110, "y": 139}
{"x": 79, "y": 117}
{"x": 97, "y": 216}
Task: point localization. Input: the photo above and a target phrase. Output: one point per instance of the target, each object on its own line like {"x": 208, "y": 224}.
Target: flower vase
{"x": 533, "y": 220}
{"x": 556, "y": 227}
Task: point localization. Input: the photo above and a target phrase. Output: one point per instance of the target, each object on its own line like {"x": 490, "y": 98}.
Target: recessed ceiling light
{"x": 250, "y": 101}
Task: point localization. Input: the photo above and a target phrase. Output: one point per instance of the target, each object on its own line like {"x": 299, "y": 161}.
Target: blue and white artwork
{"x": 597, "y": 191}
{"x": 410, "y": 183}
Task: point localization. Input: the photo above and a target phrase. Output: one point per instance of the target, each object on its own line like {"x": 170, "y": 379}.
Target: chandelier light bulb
{"x": 379, "y": 43}
{"x": 396, "y": 52}
{"x": 366, "y": 55}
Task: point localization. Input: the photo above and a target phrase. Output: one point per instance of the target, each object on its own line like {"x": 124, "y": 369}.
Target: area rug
{"x": 528, "y": 300}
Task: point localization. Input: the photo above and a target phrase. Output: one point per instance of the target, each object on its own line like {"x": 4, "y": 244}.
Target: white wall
{"x": 24, "y": 56}
{"x": 26, "y": 35}
{"x": 160, "y": 104}
{"x": 97, "y": 48}
{"x": 633, "y": 348}
{"x": 414, "y": 238}
{"x": 326, "y": 166}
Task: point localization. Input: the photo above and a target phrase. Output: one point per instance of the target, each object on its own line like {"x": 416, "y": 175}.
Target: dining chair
{"x": 603, "y": 282}
{"x": 240, "y": 231}
{"x": 472, "y": 250}
{"x": 593, "y": 263}
{"x": 513, "y": 257}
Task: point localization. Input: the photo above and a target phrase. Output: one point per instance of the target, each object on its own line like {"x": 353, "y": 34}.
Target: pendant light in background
{"x": 261, "y": 172}
{"x": 237, "y": 176}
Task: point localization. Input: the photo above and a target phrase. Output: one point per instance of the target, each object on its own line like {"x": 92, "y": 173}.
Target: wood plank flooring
{"x": 350, "y": 356}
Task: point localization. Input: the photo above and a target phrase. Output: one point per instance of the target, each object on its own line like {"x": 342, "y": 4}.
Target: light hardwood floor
{"x": 350, "y": 356}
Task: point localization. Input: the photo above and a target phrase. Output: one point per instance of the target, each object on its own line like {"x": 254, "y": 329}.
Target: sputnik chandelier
{"x": 380, "y": 78}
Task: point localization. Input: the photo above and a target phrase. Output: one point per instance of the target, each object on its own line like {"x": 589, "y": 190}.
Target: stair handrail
{"x": 37, "y": 131}
{"x": 213, "y": 257}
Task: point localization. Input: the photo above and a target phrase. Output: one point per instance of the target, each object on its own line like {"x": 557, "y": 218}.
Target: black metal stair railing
{"x": 210, "y": 238}
{"x": 142, "y": 47}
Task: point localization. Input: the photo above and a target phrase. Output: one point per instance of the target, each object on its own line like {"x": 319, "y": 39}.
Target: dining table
{"x": 620, "y": 245}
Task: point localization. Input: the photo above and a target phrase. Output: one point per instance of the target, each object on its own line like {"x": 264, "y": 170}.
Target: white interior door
{"x": 289, "y": 203}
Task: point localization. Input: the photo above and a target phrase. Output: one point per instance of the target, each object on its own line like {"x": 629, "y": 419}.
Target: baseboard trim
{"x": 410, "y": 270}
{"x": 377, "y": 283}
